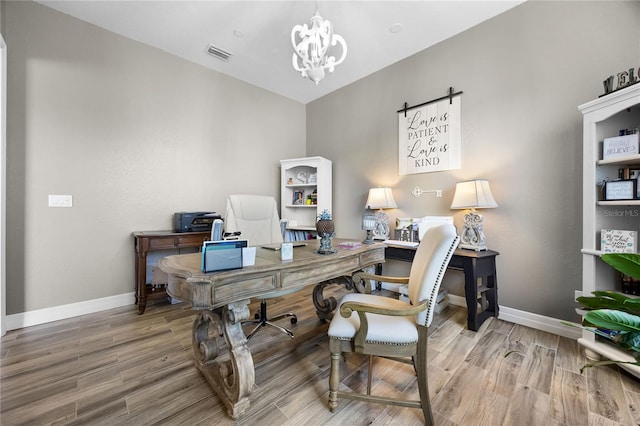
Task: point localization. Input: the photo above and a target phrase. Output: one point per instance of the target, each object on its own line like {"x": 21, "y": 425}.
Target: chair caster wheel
{"x": 256, "y": 316}
{"x": 294, "y": 320}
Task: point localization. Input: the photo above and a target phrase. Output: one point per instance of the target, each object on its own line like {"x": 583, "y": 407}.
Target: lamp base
{"x": 472, "y": 236}
{"x": 381, "y": 231}
{"x": 368, "y": 240}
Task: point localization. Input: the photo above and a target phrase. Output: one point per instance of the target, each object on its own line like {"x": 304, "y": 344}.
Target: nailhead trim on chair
{"x": 347, "y": 339}
{"x": 443, "y": 268}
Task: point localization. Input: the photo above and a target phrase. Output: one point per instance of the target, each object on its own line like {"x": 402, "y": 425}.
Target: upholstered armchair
{"x": 382, "y": 326}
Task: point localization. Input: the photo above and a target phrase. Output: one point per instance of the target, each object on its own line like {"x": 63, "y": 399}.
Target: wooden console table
{"x": 222, "y": 299}
{"x": 480, "y": 279}
{"x": 146, "y": 241}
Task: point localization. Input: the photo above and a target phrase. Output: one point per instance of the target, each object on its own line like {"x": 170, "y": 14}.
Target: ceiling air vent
{"x": 218, "y": 53}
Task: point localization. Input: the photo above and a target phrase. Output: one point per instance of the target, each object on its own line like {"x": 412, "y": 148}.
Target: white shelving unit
{"x": 603, "y": 118}
{"x": 310, "y": 176}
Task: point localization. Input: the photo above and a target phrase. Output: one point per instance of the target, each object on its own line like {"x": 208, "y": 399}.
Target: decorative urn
{"x": 326, "y": 229}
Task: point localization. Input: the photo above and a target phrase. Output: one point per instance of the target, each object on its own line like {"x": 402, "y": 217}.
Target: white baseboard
{"x": 528, "y": 319}
{"x": 55, "y": 313}
{"x": 42, "y": 316}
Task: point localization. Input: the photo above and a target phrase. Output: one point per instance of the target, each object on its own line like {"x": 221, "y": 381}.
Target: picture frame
{"x": 635, "y": 174}
{"x": 618, "y": 190}
{"x": 298, "y": 198}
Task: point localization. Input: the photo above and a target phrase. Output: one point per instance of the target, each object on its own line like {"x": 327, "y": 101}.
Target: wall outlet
{"x": 578, "y": 294}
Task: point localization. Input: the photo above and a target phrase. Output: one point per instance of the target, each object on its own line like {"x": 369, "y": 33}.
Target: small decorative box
{"x": 349, "y": 245}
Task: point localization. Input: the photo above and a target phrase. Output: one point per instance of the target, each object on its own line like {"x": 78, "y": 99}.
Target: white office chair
{"x": 382, "y": 326}
{"x": 256, "y": 218}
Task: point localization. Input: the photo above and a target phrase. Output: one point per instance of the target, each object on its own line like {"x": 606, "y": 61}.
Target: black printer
{"x": 194, "y": 221}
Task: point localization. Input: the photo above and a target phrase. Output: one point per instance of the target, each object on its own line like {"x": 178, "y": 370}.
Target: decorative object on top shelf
{"x": 613, "y": 316}
{"x": 368, "y": 224}
{"x": 473, "y": 194}
{"x": 302, "y": 177}
{"x": 326, "y": 230}
{"x": 381, "y": 198}
{"x": 625, "y": 79}
{"x": 310, "y": 57}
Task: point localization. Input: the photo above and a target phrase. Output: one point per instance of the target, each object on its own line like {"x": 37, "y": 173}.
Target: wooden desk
{"x": 222, "y": 300}
{"x": 146, "y": 241}
{"x": 480, "y": 280}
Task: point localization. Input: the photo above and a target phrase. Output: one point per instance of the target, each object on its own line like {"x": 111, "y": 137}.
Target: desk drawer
{"x": 318, "y": 274}
{"x": 190, "y": 240}
{"x": 397, "y": 253}
{"x": 243, "y": 289}
{"x": 372, "y": 258}
{"x": 160, "y": 243}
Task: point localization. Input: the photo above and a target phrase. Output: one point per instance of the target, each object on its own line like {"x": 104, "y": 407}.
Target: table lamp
{"x": 473, "y": 194}
{"x": 381, "y": 198}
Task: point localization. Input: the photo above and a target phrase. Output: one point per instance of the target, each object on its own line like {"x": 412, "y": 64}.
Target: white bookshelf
{"x": 603, "y": 118}
{"x": 310, "y": 176}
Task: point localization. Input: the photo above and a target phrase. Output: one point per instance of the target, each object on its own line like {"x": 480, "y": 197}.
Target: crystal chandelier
{"x": 310, "y": 46}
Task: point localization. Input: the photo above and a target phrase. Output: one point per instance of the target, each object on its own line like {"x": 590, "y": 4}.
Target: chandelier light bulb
{"x": 311, "y": 46}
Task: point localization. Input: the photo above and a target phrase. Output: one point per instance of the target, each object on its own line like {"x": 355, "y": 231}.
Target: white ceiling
{"x": 261, "y": 54}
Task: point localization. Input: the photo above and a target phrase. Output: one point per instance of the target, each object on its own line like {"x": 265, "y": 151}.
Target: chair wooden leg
{"x": 423, "y": 379}
{"x": 334, "y": 381}
{"x": 369, "y": 374}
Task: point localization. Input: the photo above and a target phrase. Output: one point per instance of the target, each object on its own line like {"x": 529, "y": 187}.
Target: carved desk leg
{"x": 325, "y": 307}
{"x": 231, "y": 374}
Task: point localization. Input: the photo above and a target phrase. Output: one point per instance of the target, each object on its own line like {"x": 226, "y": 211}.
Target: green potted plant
{"x": 615, "y": 316}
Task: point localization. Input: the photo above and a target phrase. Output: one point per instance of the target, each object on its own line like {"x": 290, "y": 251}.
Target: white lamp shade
{"x": 380, "y": 198}
{"x": 473, "y": 194}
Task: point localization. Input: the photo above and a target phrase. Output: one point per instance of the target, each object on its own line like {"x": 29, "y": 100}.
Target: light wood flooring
{"x": 120, "y": 368}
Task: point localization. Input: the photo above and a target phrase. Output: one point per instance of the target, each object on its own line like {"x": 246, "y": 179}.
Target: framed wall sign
{"x": 620, "y": 190}
{"x": 429, "y": 137}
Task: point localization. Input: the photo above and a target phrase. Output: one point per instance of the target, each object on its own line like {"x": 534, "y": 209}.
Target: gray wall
{"x": 133, "y": 134}
{"x": 523, "y": 75}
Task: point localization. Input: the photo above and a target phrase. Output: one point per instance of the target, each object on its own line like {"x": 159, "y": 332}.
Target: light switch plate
{"x": 60, "y": 201}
